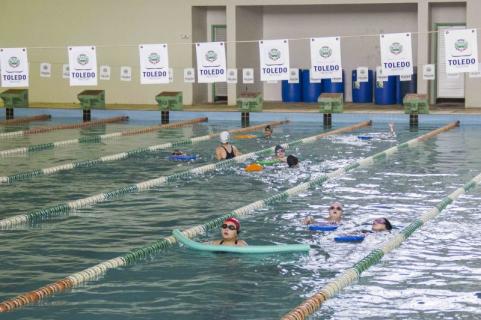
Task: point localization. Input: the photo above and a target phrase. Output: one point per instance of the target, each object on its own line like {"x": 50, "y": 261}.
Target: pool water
{"x": 435, "y": 274}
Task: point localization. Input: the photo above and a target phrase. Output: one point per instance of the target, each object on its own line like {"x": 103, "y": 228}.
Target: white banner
{"x": 211, "y": 63}
{"x": 65, "y": 71}
{"x": 293, "y": 76}
{"x": 14, "y": 67}
{"x": 429, "y": 72}
{"x": 379, "y": 75}
{"x": 125, "y": 73}
{"x": 405, "y": 77}
{"x": 83, "y": 66}
{"x": 45, "y": 70}
{"x": 154, "y": 63}
{"x": 326, "y": 58}
{"x": 104, "y": 72}
{"x": 396, "y": 54}
{"x": 189, "y": 75}
{"x": 312, "y": 79}
{"x": 231, "y": 75}
{"x": 247, "y": 75}
{"x": 362, "y": 74}
{"x": 274, "y": 60}
{"x": 461, "y": 50}
{"x": 476, "y": 74}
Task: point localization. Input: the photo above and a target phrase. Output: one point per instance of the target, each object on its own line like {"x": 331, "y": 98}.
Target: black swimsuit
{"x": 229, "y": 155}
{"x": 222, "y": 241}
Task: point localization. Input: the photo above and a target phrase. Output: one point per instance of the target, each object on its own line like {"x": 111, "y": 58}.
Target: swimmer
{"x": 177, "y": 152}
{"x": 268, "y": 132}
{"x": 292, "y": 161}
{"x": 280, "y": 153}
{"x": 381, "y": 224}
{"x": 335, "y": 215}
{"x": 391, "y": 129}
{"x": 226, "y": 150}
{"x": 229, "y": 231}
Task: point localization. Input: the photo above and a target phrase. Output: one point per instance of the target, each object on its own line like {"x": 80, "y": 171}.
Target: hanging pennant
{"x": 429, "y": 72}
{"x": 231, "y": 75}
{"x": 125, "y": 73}
{"x": 396, "y": 54}
{"x": 461, "y": 50}
{"x": 189, "y": 75}
{"x": 83, "y": 66}
{"x": 154, "y": 63}
{"x": 326, "y": 58}
{"x": 274, "y": 60}
{"x": 362, "y": 74}
{"x": 14, "y": 67}
{"x": 45, "y": 70}
{"x": 211, "y": 62}
{"x": 65, "y": 71}
{"x": 379, "y": 75}
{"x": 104, "y": 72}
{"x": 293, "y": 76}
{"x": 247, "y": 75}
{"x": 171, "y": 75}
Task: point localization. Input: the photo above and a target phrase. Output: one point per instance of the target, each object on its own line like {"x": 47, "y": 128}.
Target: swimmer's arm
{"x": 219, "y": 153}
{"x": 308, "y": 220}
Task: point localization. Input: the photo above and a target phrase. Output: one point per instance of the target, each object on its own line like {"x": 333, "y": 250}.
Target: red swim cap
{"x": 234, "y": 221}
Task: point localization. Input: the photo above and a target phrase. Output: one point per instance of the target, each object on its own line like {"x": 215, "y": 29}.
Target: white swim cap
{"x": 224, "y": 136}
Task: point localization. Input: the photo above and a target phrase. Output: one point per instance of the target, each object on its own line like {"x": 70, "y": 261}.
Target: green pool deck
{"x": 444, "y": 108}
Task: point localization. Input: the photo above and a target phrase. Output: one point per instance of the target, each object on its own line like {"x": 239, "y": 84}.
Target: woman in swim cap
{"x": 381, "y": 224}
{"x": 280, "y": 153}
{"x": 226, "y": 150}
{"x": 229, "y": 231}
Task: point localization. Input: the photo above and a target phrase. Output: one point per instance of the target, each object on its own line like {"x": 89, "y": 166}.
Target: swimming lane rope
{"x": 126, "y": 154}
{"x": 138, "y": 254}
{"x": 40, "y": 117}
{"x": 65, "y": 208}
{"x": 97, "y": 138}
{"x": 309, "y": 306}
{"x": 63, "y": 127}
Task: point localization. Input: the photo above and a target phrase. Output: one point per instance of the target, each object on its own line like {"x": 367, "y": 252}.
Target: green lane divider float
{"x": 280, "y": 248}
{"x": 309, "y": 306}
{"x": 126, "y": 154}
{"x": 142, "y": 253}
{"x": 96, "y": 138}
{"x": 64, "y": 208}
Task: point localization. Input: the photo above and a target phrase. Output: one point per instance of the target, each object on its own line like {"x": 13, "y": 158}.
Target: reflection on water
{"x": 433, "y": 275}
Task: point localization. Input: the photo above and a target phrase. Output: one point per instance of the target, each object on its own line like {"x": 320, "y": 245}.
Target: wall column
{"x": 472, "y": 85}
{"x": 423, "y": 44}
{"x": 231, "y": 51}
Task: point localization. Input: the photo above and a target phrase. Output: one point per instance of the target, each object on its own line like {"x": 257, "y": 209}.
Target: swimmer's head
{"x": 335, "y": 211}
{"x": 292, "y": 161}
{"x": 224, "y": 136}
{"x": 233, "y": 222}
{"x": 177, "y": 152}
{"x": 381, "y": 224}
{"x": 278, "y": 149}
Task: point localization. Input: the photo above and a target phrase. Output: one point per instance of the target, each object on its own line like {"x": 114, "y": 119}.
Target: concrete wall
{"x": 118, "y": 26}
{"x": 215, "y": 16}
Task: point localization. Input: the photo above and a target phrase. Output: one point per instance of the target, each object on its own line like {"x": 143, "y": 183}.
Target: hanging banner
{"x": 189, "y": 76}
{"x": 45, "y": 70}
{"x": 125, "y": 73}
{"x": 326, "y": 58}
{"x": 405, "y": 77}
{"x": 461, "y": 50}
{"x": 104, "y": 72}
{"x": 429, "y": 72}
{"x": 248, "y": 75}
{"x": 83, "y": 66}
{"x": 231, "y": 75}
{"x": 65, "y": 71}
{"x": 312, "y": 79}
{"x": 362, "y": 74}
{"x": 211, "y": 63}
{"x": 293, "y": 76}
{"x": 154, "y": 63}
{"x": 14, "y": 67}
{"x": 396, "y": 54}
{"x": 274, "y": 60}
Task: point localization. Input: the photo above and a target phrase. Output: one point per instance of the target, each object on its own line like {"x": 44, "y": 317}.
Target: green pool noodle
{"x": 238, "y": 249}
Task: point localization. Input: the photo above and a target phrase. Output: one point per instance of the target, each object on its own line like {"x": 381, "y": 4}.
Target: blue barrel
{"x": 362, "y": 93}
{"x": 310, "y": 91}
{"x": 405, "y": 87}
{"x": 386, "y": 94}
{"x": 327, "y": 86}
{"x": 291, "y": 92}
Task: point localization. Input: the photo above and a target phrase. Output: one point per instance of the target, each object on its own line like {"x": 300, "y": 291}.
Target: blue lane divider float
{"x": 183, "y": 157}
{"x": 323, "y": 227}
{"x": 364, "y": 137}
{"x": 350, "y": 238}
